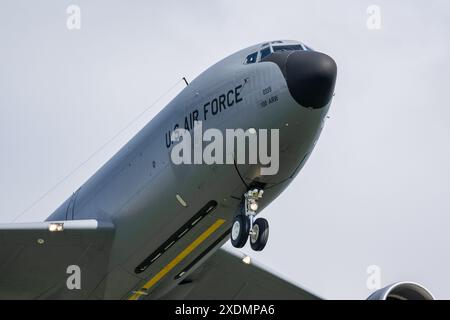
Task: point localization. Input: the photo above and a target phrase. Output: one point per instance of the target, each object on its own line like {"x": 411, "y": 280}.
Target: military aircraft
{"x": 143, "y": 227}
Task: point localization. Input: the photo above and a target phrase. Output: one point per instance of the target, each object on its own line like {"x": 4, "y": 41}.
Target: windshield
{"x": 265, "y": 52}
{"x": 274, "y": 46}
{"x": 291, "y": 47}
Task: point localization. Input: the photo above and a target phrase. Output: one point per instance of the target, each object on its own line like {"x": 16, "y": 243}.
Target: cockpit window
{"x": 269, "y": 48}
{"x": 251, "y": 58}
{"x": 291, "y": 47}
{"x": 265, "y": 52}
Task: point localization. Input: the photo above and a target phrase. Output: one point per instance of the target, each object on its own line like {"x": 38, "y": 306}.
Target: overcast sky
{"x": 376, "y": 190}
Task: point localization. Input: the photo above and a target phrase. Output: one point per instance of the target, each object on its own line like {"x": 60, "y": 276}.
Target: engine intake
{"x": 402, "y": 291}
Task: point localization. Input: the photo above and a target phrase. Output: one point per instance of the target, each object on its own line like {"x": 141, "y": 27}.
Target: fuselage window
{"x": 265, "y": 52}
{"x": 291, "y": 47}
{"x": 251, "y": 58}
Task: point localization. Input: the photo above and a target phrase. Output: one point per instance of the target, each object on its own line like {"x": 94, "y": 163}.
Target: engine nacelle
{"x": 402, "y": 291}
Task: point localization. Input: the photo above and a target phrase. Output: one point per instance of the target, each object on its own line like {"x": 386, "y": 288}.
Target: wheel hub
{"x": 235, "y": 230}
{"x": 254, "y": 234}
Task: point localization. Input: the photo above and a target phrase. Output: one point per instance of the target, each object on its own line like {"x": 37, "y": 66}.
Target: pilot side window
{"x": 251, "y": 58}
{"x": 265, "y": 52}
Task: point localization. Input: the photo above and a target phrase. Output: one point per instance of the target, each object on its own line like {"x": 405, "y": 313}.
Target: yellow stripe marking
{"x": 172, "y": 264}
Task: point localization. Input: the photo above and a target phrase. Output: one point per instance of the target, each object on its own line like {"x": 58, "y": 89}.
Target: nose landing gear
{"x": 245, "y": 226}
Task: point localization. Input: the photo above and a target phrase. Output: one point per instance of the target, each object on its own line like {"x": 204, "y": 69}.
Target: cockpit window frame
{"x": 269, "y": 47}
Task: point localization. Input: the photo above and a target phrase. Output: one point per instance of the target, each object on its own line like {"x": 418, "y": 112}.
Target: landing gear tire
{"x": 240, "y": 231}
{"x": 259, "y": 234}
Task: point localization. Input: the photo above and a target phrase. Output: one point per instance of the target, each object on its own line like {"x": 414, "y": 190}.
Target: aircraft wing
{"x": 224, "y": 276}
{"x": 34, "y": 257}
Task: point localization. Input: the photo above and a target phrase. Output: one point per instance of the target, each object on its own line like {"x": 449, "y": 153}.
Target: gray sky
{"x": 376, "y": 190}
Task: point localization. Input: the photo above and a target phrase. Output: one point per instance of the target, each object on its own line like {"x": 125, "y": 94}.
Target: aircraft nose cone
{"x": 311, "y": 77}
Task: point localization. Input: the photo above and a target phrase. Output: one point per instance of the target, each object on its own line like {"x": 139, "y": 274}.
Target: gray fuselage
{"x": 137, "y": 189}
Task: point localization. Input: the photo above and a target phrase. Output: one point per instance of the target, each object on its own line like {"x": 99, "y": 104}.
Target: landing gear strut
{"x": 246, "y": 226}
